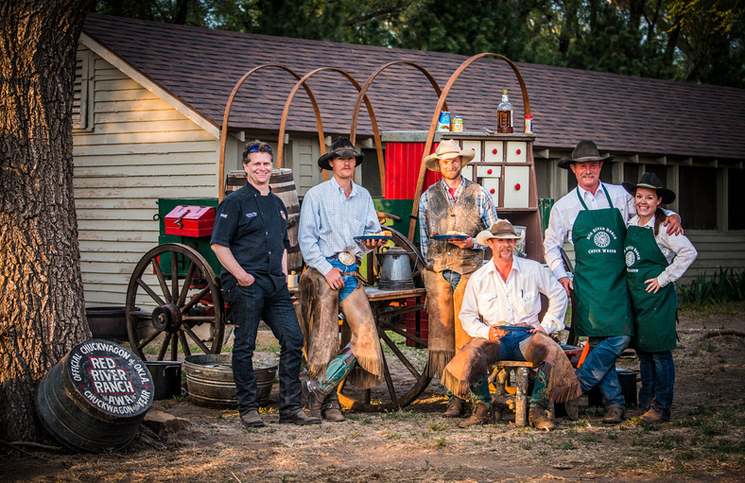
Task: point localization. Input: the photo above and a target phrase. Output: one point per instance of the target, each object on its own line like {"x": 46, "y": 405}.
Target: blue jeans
{"x": 350, "y": 282}
{"x": 599, "y": 369}
{"x": 451, "y": 277}
{"x": 249, "y": 306}
{"x": 658, "y": 379}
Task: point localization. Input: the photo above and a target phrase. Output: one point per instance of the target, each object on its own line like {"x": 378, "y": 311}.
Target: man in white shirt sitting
{"x": 500, "y": 309}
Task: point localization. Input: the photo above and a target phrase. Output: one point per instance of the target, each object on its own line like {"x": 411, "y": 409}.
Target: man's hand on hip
{"x": 335, "y": 279}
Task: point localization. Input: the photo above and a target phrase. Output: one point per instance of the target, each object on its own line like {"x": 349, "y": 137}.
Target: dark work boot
{"x": 456, "y": 408}
{"x": 614, "y": 416}
{"x": 480, "y": 416}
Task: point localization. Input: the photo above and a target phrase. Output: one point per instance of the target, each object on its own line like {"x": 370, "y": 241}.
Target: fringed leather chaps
{"x": 446, "y": 335}
{"x": 476, "y": 357}
{"x": 320, "y": 324}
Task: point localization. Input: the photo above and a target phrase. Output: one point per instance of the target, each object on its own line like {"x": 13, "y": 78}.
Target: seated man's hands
{"x": 495, "y": 333}
{"x": 536, "y": 328}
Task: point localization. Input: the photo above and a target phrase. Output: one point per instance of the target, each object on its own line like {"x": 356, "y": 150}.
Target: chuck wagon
{"x": 174, "y": 301}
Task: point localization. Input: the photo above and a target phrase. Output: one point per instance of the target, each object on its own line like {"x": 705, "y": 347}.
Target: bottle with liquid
{"x": 504, "y": 114}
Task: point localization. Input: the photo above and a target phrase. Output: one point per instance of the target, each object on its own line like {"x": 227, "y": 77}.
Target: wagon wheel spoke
{"x": 184, "y": 342}
{"x": 174, "y": 276}
{"x": 400, "y": 355}
{"x": 196, "y": 339}
{"x": 147, "y": 340}
{"x": 187, "y": 283}
{"x": 164, "y": 347}
{"x": 150, "y": 292}
{"x": 403, "y": 333}
{"x": 162, "y": 280}
{"x": 174, "y": 347}
{"x": 389, "y": 380}
{"x": 195, "y": 299}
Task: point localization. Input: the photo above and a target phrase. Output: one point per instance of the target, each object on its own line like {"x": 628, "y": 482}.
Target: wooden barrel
{"x": 209, "y": 380}
{"x": 95, "y": 398}
{"x": 283, "y": 185}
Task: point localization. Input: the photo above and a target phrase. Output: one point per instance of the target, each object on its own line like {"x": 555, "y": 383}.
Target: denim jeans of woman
{"x": 658, "y": 381}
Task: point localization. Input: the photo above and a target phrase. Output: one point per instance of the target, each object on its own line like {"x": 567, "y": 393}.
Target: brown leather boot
{"x": 539, "y": 419}
{"x": 455, "y": 409}
{"x": 331, "y": 411}
{"x": 572, "y": 408}
{"x": 481, "y": 415}
{"x": 314, "y": 398}
{"x": 614, "y": 416}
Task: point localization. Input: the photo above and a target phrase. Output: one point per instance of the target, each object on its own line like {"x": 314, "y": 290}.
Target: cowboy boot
{"x": 314, "y": 397}
{"x": 539, "y": 419}
{"x": 455, "y": 409}
{"x": 481, "y": 415}
{"x": 331, "y": 410}
{"x": 614, "y": 416}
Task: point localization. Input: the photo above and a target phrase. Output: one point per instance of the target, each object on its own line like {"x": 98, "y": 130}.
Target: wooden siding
{"x": 138, "y": 149}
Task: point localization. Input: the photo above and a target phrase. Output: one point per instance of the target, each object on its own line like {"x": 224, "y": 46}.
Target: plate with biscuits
{"x": 451, "y": 235}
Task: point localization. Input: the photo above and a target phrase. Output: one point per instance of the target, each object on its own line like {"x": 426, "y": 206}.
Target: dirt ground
{"x": 704, "y": 442}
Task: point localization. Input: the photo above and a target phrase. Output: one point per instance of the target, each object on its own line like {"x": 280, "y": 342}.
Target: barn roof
{"x": 199, "y": 67}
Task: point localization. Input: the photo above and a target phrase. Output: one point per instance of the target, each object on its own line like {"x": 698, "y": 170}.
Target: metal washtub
{"x": 209, "y": 380}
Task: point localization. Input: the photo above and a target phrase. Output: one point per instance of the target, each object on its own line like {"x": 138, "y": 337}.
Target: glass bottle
{"x": 504, "y": 115}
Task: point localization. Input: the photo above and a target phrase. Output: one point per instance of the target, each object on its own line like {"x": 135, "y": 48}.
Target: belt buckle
{"x": 346, "y": 257}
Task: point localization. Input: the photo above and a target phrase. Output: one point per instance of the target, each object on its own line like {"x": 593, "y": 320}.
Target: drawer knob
{"x": 494, "y": 151}
{"x": 517, "y": 187}
{"x": 518, "y": 151}
{"x": 488, "y": 171}
{"x": 491, "y": 191}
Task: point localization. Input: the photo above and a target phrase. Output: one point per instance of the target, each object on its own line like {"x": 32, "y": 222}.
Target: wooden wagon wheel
{"x": 407, "y": 365}
{"x": 173, "y": 298}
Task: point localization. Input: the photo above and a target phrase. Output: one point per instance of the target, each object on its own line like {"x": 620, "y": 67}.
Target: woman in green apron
{"x": 654, "y": 259}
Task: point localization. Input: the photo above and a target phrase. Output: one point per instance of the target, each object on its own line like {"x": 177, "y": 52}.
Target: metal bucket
{"x": 209, "y": 380}
{"x": 627, "y": 379}
{"x": 107, "y": 322}
{"x": 95, "y": 398}
{"x": 166, "y": 377}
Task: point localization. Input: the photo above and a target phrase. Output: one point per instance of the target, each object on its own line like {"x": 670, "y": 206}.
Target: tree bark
{"x": 42, "y": 314}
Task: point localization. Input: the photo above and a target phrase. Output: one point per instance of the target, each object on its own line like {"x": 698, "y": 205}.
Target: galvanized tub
{"x": 95, "y": 398}
{"x": 209, "y": 380}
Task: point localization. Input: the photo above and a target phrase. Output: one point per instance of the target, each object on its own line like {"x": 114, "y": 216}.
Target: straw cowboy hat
{"x": 448, "y": 150}
{"x": 500, "y": 229}
{"x": 341, "y": 148}
{"x": 651, "y": 181}
{"x": 585, "y": 152}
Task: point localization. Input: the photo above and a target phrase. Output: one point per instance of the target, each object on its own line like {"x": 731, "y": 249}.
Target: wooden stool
{"x": 521, "y": 393}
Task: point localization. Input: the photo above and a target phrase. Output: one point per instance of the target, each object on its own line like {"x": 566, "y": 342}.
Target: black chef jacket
{"x": 254, "y": 227}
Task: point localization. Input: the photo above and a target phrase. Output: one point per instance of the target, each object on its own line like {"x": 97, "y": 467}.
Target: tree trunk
{"x": 42, "y": 314}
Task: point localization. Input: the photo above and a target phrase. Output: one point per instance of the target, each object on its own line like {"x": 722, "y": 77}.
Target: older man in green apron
{"x": 595, "y": 215}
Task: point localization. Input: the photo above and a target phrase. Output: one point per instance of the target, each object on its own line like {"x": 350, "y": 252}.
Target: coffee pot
{"x": 395, "y": 270}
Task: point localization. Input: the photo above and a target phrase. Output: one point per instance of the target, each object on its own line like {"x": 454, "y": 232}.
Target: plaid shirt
{"x": 329, "y": 221}
{"x": 484, "y": 205}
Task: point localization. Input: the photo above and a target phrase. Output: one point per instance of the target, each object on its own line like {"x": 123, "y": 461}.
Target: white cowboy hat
{"x": 448, "y": 150}
{"x": 500, "y": 229}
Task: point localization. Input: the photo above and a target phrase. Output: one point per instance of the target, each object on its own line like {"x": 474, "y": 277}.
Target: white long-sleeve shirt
{"x": 565, "y": 211}
{"x": 489, "y": 300}
{"x": 678, "y": 250}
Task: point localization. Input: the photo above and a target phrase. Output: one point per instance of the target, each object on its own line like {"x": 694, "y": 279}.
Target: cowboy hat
{"x": 341, "y": 148}
{"x": 651, "y": 181}
{"x": 585, "y": 152}
{"x": 448, "y": 150}
{"x": 500, "y": 229}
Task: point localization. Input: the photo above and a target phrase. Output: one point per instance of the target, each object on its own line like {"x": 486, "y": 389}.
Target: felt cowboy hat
{"x": 341, "y": 148}
{"x": 651, "y": 181}
{"x": 585, "y": 152}
{"x": 448, "y": 150}
{"x": 500, "y": 229}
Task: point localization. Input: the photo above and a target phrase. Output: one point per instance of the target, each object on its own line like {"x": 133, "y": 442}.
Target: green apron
{"x": 655, "y": 312}
{"x": 603, "y": 305}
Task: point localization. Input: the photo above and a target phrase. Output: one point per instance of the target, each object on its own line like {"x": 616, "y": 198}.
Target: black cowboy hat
{"x": 651, "y": 181}
{"x": 341, "y": 148}
{"x": 585, "y": 152}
